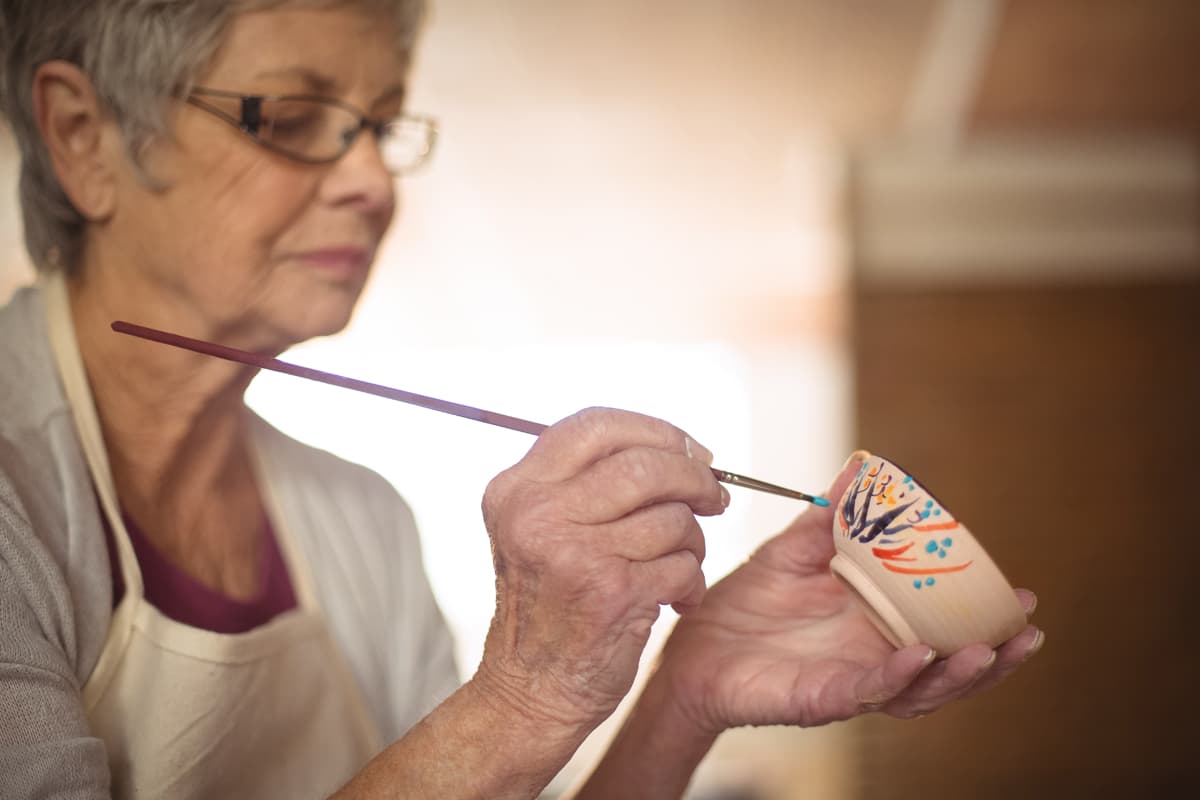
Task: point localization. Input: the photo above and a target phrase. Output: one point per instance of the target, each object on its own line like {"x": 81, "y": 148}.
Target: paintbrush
{"x": 432, "y": 403}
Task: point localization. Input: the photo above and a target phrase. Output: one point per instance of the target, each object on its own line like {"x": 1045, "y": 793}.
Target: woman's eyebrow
{"x": 319, "y": 83}
{"x": 395, "y": 92}
{"x": 314, "y": 81}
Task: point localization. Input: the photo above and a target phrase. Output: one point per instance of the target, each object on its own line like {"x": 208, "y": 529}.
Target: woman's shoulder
{"x": 41, "y": 466}
{"x": 21, "y": 320}
{"x": 53, "y": 563}
{"x": 42, "y": 473}
{"x": 29, "y": 390}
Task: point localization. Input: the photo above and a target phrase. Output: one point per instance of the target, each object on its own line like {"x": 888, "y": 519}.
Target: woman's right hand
{"x": 592, "y": 531}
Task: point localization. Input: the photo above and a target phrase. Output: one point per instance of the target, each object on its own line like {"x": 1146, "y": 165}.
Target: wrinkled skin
{"x": 594, "y": 530}
{"x": 781, "y": 641}
{"x": 591, "y": 533}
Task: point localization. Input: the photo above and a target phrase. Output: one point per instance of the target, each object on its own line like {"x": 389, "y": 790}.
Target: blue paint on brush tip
{"x": 820, "y": 501}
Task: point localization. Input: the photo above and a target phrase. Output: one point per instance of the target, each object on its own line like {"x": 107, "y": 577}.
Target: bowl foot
{"x": 886, "y": 617}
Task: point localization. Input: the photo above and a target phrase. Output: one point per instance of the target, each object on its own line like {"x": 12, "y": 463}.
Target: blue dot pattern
{"x": 934, "y": 546}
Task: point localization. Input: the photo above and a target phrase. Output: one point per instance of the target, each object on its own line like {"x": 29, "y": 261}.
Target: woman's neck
{"x": 156, "y": 402}
{"x": 173, "y": 421}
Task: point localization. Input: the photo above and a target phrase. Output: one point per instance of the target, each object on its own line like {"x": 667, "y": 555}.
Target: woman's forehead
{"x": 318, "y": 50}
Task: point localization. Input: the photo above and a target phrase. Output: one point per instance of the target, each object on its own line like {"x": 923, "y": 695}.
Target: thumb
{"x": 842, "y": 481}
{"x": 807, "y": 543}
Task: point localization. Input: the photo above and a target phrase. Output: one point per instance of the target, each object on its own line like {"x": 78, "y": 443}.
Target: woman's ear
{"x": 81, "y": 140}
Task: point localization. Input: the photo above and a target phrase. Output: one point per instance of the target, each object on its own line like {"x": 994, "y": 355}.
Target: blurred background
{"x": 964, "y": 234}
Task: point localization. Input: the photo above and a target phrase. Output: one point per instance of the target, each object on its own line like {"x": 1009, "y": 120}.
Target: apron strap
{"x": 71, "y": 372}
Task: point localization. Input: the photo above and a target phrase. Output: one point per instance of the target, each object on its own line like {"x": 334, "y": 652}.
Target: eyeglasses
{"x": 320, "y": 130}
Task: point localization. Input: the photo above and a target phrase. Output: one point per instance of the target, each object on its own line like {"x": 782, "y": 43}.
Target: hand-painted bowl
{"x": 920, "y": 574}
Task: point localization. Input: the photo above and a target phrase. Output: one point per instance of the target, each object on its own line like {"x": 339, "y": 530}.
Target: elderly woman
{"x": 194, "y": 605}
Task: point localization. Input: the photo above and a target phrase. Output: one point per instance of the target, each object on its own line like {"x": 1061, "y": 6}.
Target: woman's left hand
{"x": 781, "y": 641}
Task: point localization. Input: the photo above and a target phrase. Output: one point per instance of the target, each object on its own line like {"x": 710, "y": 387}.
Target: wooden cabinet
{"x": 1056, "y": 411}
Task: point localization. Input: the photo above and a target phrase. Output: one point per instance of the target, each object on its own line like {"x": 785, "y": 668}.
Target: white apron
{"x": 187, "y": 713}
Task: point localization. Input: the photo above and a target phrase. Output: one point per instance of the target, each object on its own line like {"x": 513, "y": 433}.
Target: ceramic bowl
{"x": 920, "y": 574}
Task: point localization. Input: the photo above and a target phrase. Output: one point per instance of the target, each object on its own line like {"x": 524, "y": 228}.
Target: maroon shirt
{"x": 184, "y": 599}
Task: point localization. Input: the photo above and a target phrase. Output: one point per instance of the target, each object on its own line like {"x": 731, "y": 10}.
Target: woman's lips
{"x": 343, "y": 262}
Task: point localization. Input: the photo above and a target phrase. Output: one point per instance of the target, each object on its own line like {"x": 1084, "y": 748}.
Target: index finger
{"x": 573, "y": 444}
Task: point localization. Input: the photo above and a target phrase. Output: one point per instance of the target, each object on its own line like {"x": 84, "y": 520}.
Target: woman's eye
{"x": 295, "y": 124}
{"x": 387, "y": 130}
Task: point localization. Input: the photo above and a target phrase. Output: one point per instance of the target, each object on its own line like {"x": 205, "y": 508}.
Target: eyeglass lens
{"x": 319, "y": 131}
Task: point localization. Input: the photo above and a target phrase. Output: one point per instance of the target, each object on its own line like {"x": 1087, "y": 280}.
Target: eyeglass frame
{"x": 250, "y": 118}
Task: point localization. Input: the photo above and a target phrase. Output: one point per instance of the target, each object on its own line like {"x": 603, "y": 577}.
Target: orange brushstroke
{"x": 925, "y": 570}
{"x": 938, "y": 526}
{"x": 892, "y": 552}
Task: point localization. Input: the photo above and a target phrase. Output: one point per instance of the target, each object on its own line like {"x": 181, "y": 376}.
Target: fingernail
{"x": 1038, "y": 641}
{"x": 1029, "y": 602}
{"x": 725, "y": 497}
{"x": 929, "y": 657}
{"x": 857, "y": 457}
{"x": 986, "y": 665}
{"x": 696, "y": 450}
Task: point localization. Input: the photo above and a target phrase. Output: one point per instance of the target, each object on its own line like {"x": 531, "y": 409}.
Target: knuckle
{"x": 595, "y": 423}
{"x": 536, "y": 540}
{"x": 519, "y": 518}
{"x": 671, "y": 438}
{"x": 637, "y": 466}
{"x": 678, "y": 518}
{"x": 599, "y": 422}
{"x": 665, "y": 436}
{"x": 684, "y": 566}
{"x": 524, "y": 547}
{"x": 683, "y": 517}
{"x": 605, "y": 597}
{"x": 610, "y": 584}
{"x": 677, "y": 523}
{"x": 496, "y": 493}
{"x": 563, "y": 560}
{"x": 697, "y": 544}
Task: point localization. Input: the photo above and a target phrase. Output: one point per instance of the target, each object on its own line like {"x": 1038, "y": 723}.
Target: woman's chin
{"x": 321, "y": 322}
{"x": 296, "y": 315}
{"x": 286, "y": 331}
{"x": 326, "y": 312}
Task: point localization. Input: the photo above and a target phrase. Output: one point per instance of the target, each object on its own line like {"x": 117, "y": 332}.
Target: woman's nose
{"x": 361, "y": 178}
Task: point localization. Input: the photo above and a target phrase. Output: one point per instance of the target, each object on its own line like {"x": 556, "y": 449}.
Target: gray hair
{"x": 138, "y": 53}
